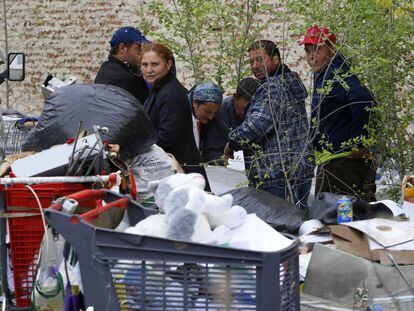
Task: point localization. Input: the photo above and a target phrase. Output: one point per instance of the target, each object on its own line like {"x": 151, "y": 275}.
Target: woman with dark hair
{"x": 168, "y": 108}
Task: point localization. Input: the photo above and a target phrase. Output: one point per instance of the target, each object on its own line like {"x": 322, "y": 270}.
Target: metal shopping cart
{"x": 122, "y": 271}
{"x": 20, "y": 208}
{"x": 13, "y": 132}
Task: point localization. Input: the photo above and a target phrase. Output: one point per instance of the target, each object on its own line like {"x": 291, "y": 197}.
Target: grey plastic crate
{"x": 122, "y": 271}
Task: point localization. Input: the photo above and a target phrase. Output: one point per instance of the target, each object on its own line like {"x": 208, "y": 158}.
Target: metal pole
{"x": 59, "y": 179}
{"x": 6, "y": 49}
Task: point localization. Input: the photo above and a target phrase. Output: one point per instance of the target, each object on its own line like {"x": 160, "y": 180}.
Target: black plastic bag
{"x": 278, "y": 213}
{"x": 324, "y": 208}
{"x": 93, "y": 104}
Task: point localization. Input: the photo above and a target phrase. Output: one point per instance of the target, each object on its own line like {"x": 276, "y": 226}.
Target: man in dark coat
{"x": 341, "y": 115}
{"x": 121, "y": 69}
{"x": 230, "y": 116}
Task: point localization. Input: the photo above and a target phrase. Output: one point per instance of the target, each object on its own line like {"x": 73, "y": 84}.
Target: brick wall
{"x": 71, "y": 37}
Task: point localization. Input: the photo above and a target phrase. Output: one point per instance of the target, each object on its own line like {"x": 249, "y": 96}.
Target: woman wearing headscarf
{"x": 168, "y": 108}
{"x": 205, "y": 100}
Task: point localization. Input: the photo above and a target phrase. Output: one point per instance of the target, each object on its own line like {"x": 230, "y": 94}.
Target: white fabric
{"x": 196, "y": 132}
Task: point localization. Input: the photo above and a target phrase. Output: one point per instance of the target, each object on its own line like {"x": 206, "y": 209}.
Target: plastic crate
{"x": 122, "y": 271}
{"x": 26, "y": 233}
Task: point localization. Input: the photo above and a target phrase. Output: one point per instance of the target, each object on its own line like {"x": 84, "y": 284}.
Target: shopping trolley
{"x": 21, "y": 206}
{"x": 122, "y": 271}
{"x": 14, "y": 131}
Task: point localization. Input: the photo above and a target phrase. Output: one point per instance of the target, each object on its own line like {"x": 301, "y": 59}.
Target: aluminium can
{"x": 344, "y": 208}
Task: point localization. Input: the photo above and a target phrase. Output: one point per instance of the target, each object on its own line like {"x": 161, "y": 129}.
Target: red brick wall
{"x": 70, "y": 37}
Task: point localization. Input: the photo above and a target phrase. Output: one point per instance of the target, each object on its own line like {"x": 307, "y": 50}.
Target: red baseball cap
{"x": 317, "y": 36}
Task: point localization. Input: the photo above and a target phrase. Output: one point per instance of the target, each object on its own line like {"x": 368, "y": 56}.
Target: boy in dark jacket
{"x": 230, "y": 116}
{"x": 340, "y": 113}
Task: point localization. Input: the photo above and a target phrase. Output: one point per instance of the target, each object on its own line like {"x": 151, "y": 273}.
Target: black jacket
{"x": 215, "y": 135}
{"x": 170, "y": 115}
{"x": 115, "y": 72}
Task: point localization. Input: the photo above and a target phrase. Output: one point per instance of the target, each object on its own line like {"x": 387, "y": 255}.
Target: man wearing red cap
{"x": 121, "y": 69}
{"x": 340, "y": 112}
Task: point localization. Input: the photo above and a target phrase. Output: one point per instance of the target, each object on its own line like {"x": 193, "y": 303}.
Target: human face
{"x": 240, "y": 105}
{"x": 262, "y": 64}
{"x": 318, "y": 56}
{"x": 153, "y": 67}
{"x": 205, "y": 112}
{"x": 130, "y": 54}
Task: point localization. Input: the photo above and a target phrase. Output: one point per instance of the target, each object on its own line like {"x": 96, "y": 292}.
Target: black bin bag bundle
{"x": 93, "y": 104}
{"x": 325, "y": 208}
{"x": 278, "y": 213}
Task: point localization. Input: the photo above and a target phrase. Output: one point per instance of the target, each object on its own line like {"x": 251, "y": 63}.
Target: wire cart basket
{"x": 122, "y": 271}
{"x": 13, "y": 133}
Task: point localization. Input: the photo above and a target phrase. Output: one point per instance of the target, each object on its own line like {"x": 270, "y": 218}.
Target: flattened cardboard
{"x": 352, "y": 241}
{"x": 355, "y": 242}
{"x": 386, "y": 232}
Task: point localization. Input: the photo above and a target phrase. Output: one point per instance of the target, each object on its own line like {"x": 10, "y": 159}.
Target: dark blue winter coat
{"x": 343, "y": 112}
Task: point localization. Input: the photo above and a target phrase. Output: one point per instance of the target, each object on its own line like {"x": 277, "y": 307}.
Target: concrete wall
{"x": 71, "y": 37}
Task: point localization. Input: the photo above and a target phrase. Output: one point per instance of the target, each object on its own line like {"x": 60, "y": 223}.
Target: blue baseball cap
{"x": 127, "y": 35}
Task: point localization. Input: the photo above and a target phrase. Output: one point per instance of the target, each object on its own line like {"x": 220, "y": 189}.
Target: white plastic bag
{"x": 154, "y": 164}
{"x": 48, "y": 288}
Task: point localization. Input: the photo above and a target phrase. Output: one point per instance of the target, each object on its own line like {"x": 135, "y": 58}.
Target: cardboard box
{"x": 355, "y": 242}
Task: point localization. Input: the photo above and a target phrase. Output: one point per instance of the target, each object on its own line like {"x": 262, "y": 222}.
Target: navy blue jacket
{"x": 343, "y": 111}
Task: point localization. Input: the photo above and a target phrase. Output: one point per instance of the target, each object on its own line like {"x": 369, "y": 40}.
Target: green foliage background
{"x": 376, "y": 36}
{"x": 209, "y": 37}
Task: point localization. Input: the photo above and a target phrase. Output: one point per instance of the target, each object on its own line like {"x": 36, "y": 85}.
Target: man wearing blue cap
{"x": 122, "y": 68}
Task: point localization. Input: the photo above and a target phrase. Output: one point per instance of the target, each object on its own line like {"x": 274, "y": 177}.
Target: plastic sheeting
{"x": 324, "y": 208}
{"x": 280, "y": 214}
{"x": 93, "y": 104}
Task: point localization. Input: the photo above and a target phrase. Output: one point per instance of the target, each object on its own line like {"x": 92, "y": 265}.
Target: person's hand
{"x": 228, "y": 152}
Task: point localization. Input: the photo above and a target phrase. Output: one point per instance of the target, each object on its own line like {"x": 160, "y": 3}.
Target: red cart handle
{"x": 87, "y": 195}
{"x": 95, "y": 196}
{"x": 121, "y": 203}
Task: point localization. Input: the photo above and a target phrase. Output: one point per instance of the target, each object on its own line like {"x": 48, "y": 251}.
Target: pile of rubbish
{"x": 97, "y": 137}
{"x": 372, "y": 252}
